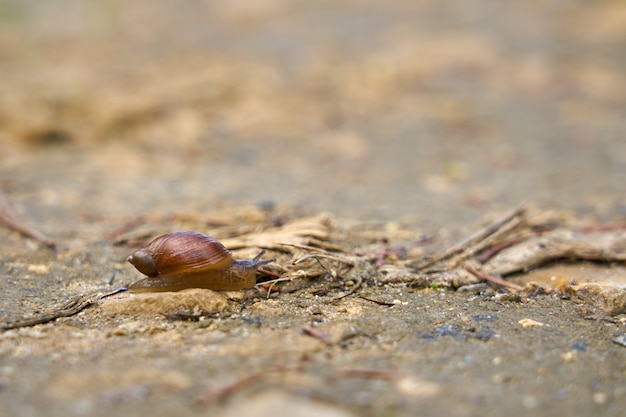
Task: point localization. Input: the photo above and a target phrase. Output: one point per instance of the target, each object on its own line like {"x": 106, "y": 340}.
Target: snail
{"x": 181, "y": 260}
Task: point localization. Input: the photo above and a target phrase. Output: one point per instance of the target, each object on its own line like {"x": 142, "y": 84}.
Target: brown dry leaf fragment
{"x": 558, "y": 244}
{"x": 313, "y": 231}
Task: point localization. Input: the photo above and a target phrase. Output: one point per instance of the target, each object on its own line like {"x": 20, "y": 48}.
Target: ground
{"x": 409, "y": 125}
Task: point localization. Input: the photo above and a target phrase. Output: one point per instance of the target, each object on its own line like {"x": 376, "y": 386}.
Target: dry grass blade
{"x": 318, "y": 263}
{"x": 339, "y": 259}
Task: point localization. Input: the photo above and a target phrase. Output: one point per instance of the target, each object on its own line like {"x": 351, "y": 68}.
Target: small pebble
{"x": 484, "y": 334}
{"x": 39, "y": 269}
{"x": 530, "y": 323}
{"x": 484, "y": 317}
{"x": 510, "y": 297}
{"x": 472, "y": 288}
{"x": 620, "y": 340}
{"x": 599, "y": 397}
{"x": 451, "y": 330}
{"x": 425, "y": 335}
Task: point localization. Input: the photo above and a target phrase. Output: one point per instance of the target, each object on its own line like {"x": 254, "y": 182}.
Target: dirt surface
{"x": 410, "y": 124}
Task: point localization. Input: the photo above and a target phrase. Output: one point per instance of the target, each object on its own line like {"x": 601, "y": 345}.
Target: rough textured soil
{"x": 411, "y": 122}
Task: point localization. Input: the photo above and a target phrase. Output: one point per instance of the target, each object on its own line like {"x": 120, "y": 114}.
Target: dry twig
{"x": 231, "y": 389}
{"x": 10, "y": 220}
{"x": 379, "y": 302}
{"x": 351, "y": 291}
{"x": 493, "y": 279}
{"x": 318, "y": 334}
{"x": 74, "y": 306}
{"x": 227, "y": 391}
{"x": 494, "y": 250}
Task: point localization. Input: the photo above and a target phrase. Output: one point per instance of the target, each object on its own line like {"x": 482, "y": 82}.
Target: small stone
{"x": 450, "y": 330}
{"x": 620, "y": 340}
{"x": 425, "y": 335}
{"x": 417, "y": 387}
{"x": 472, "y": 288}
{"x": 530, "y": 323}
{"x": 485, "y": 333}
{"x": 599, "y": 397}
{"x": 119, "y": 331}
{"x": 484, "y": 317}
{"x": 529, "y": 401}
{"x": 39, "y": 269}
{"x": 510, "y": 297}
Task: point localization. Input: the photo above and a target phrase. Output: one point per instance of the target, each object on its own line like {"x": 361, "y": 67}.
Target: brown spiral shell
{"x": 181, "y": 252}
{"x": 182, "y": 260}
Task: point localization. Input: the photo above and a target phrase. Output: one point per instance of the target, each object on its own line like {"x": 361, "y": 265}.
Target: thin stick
{"x": 491, "y": 278}
{"x": 269, "y": 285}
{"x": 75, "y": 305}
{"x": 380, "y": 303}
{"x": 308, "y": 247}
{"x": 318, "y": 334}
{"x": 10, "y": 221}
{"x": 231, "y": 389}
{"x": 352, "y": 290}
{"x": 497, "y": 249}
{"x": 268, "y": 273}
{"x": 124, "y": 228}
{"x": 339, "y": 259}
{"x": 227, "y": 391}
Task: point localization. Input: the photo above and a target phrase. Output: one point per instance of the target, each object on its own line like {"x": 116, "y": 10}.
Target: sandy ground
{"x": 416, "y": 119}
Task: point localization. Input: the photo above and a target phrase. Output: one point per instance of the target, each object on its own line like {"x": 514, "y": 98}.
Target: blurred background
{"x": 416, "y": 110}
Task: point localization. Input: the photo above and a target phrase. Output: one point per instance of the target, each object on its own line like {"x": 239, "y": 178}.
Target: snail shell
{"x": 181, "y": 260}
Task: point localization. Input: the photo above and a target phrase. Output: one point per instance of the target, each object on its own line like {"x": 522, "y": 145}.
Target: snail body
{"x": 181, "y": 260}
